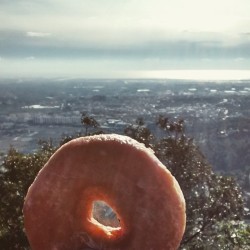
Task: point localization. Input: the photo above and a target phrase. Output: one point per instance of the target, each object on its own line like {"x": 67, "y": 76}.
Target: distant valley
{"x": 216, "y": 114}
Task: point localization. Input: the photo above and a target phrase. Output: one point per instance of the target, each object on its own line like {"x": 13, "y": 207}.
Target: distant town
{"x": 216, "y": 114}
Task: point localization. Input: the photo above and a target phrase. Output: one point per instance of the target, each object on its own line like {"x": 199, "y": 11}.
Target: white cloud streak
{"x": 37, "y": 34}
{"x": 172, "y": 16}
{"x": 30, "y": 58}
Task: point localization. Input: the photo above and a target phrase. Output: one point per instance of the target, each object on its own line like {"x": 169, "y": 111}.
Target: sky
{"x": 122, "y": 38}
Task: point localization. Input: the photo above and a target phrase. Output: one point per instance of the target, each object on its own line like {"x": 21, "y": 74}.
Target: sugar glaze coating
{"x": 118, "y": 170}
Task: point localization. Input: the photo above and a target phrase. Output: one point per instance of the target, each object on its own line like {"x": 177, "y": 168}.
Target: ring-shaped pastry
{"x": 117, "y": 170}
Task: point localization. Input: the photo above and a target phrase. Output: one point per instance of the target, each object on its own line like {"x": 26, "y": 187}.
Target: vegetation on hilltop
{"x": 215, "y": 206}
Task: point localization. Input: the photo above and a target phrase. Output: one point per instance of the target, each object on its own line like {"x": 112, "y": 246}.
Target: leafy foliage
{"x": 17, "y": 172}
{"x": 140, "y": 132}
{"x": 88, "y": 122}
{"x": 214, "y": 203}
{"x": 212, "y": 200}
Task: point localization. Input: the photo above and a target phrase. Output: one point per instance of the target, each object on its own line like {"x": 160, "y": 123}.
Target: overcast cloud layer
{"x": 101, "y": 38}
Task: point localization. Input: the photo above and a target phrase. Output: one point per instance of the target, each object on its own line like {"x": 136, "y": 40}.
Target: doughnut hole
{"x": 105, "y": 215}
{"x": 100, "y": 217}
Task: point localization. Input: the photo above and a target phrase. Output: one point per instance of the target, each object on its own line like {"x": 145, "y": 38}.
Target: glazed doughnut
{"x": 117, "y": 170}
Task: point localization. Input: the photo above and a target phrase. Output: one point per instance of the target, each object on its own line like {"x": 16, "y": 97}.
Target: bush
{"x": 212, "y": 200}
{"x": 17, "y": 172}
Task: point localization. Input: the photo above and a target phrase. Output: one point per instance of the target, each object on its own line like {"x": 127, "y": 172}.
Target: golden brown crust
{"x": 115, "y": 169}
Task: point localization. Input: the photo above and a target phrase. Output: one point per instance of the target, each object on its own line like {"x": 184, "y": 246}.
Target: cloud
{"x": 37, "y": 34}
{"x": 19, "y": 44}
{"x": 109, "y": 16}
{"x": 30, "y": 58}
{"x": 239, "y": 59}
{"x": 151, "y": 34}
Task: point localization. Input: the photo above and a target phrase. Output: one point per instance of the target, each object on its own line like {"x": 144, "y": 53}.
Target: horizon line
{"x": 173, "y": 74}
